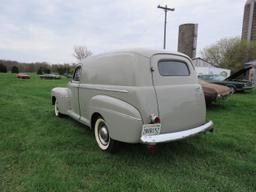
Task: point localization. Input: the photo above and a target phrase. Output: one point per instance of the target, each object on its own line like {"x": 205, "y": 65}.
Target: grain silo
{"x": 249, "y": 22}
{"x": 188, "y": 39}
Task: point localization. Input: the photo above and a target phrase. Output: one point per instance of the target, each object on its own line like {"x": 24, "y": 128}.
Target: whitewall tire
{"x": 102, "y": 136}
{"x": 56, "y": 110}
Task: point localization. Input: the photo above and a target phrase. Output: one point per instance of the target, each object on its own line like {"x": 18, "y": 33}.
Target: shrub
{"x": 15, "y": 69}
{"x": 3, "y": 68}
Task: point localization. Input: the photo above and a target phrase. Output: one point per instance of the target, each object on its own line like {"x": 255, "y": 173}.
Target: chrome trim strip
{"x": 103, "y": 89}
{"x": 85, "y": 121}
{"x": 74, "y": 85}
{"x": 176, "y": 136}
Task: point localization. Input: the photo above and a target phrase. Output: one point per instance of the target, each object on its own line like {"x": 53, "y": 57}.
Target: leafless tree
{"x": 81, "y": 52}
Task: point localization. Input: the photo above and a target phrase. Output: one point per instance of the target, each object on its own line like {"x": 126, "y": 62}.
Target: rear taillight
{"x": 155, "y": 119}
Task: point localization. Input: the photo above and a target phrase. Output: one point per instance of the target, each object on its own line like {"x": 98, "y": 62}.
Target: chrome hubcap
{"x": 103, "y": 134}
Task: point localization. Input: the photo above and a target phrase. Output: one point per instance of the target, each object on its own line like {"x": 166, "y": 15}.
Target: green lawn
{"x": 39, "y": 152}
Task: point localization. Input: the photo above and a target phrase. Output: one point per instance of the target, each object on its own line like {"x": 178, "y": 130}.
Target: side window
{"x": 77, "y": 74}
{"x": 173, "y": 68}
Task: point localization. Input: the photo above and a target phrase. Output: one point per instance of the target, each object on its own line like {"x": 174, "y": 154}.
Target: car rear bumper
{"x": 177, "y": 135}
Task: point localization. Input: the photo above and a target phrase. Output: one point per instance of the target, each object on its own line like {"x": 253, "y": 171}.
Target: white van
{"x": 135, "y": 96}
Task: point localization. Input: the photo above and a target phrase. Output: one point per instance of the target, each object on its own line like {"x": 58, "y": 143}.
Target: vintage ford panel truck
{"x": 135, "y": 96}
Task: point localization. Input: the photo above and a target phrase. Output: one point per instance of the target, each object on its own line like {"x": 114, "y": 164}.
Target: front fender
{"x": 63, "y": 96}
{"x": 124, "y": 120}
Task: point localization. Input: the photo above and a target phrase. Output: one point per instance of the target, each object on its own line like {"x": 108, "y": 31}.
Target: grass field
{"x": 39, "y": 152}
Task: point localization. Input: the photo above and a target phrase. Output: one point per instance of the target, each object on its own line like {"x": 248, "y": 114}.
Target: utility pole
{"x": 166, "y": 9}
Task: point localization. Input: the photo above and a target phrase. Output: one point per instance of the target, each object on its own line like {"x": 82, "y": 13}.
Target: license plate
{"x": 151, "y": 129}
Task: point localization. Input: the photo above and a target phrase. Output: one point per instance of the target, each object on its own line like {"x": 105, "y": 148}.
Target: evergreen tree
{"x": 40, "y": 71}
{"x": 3, "y": 68}
{"x": 15, "y": 69}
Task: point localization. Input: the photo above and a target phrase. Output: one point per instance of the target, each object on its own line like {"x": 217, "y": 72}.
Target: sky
{"x": 48, "y": 30}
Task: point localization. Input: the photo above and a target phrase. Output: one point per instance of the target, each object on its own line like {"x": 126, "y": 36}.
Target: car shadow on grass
{"x": 244, "y": 92}
{"x": 174, "y": 155}
{"x": 183, "y": 149}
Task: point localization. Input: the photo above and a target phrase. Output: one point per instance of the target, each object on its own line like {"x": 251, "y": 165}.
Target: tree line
{"x": 80, "y": 53}
{"x": 37, "y": 67}
{"x": 230, "y": 53}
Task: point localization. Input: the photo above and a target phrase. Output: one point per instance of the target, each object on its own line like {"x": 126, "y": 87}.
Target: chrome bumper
{"x": 177, "y": 135}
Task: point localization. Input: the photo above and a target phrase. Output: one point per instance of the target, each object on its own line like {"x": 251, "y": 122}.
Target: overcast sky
{"x": 47, "y": 30}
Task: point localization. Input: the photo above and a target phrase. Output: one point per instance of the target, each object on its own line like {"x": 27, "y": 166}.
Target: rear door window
{"x": 173, "y": 68}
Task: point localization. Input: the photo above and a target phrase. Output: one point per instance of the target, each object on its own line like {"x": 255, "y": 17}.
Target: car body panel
{"x": 239, "y": 73}
{"x": 22, "y": 76}
{"x": 113, "y": 110}
{"x": 236, "y": 84}
{"x": 178, "y": 97}
{"x": 50, "y": 76}
{"x": 75, "y": 104}
{"x": 131, "y": 86}
{"x": 214, "y": 92}
{"x": 63, "y": 95}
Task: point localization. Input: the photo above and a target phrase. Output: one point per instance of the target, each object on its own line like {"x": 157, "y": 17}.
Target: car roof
{"x": 150, "y": 52}
{"x": 143, "y": 52}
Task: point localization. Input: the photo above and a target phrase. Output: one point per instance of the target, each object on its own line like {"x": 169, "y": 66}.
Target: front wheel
{"x": 56, "y": 110}
{"x": 102, "y": 136}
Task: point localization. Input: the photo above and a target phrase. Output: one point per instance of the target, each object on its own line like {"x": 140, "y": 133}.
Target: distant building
{"x": 203, "y": 67}
{"x": 188, "y": 39}
{"x": 249, "y": 22}
{"x": 199, "y": 62}
{"x": 251, "y": 74}
{"x": 250, "y": 63}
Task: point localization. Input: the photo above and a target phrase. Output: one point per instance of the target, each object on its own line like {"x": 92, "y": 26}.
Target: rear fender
{"x": 123, "y": 120}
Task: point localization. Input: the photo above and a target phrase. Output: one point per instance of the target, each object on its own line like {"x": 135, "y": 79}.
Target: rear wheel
{"x": 102, "y": 136}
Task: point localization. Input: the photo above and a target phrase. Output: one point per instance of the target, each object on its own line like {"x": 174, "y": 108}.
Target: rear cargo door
{"x": 181, "y": 103}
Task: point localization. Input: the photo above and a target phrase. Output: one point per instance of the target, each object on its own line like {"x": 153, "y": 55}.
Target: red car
{"x": 215, "y": 92}
{"x": 22, "y": 76}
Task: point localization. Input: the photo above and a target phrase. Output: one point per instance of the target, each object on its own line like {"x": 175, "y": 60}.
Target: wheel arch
{"x": 53, "y": 100}
{"x": 124, "y": 120}
{"x": 94, "y": 117}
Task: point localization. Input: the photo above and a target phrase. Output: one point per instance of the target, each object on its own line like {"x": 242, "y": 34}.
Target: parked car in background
{"x": 69, "y": 76}
{"x": 22, "y": 76}
{"x": 135, "y": 96}
{"x": 234, "y": 82}
{"x": 50, "y": 76}
{"x": 214, "y": 92}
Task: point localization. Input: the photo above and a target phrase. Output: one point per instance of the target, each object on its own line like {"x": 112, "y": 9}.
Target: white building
{"x": 205, "y": 68}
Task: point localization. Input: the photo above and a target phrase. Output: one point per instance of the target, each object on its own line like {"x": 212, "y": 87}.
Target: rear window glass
{"x": 173, "y": 68}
